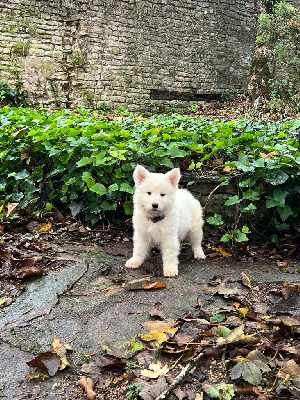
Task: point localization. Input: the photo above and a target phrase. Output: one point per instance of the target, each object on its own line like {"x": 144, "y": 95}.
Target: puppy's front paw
{"x": 199, "y": 254}
{"x": 133, "y": 263}
{"x": 170, "y": 271}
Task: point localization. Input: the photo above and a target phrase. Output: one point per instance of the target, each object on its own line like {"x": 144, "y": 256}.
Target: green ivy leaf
{"x": 245, "y": 229}
{"x": 252, "y": 195}
{"x": 249, "y": 208}
{"x": 277, "y": 177}
{"x": 112, "y": 188}
{"x": 22, "y": 175}
{"x": 226, "y": 237}
{"x": 107, "y": 205}
{"x": 241, "y": 237}
{"x": 285, "y": 212}
{"x": 99, "y": 189}
{"x": 125, "y": 187}
{"x": 232, "y": 200}
{"x": 75, "y": 208}
{"x": 128, "y": 207}
{"x": 215, "y": 220}
{"x": 87, "y": 178}
{"x": 84, "y": 161}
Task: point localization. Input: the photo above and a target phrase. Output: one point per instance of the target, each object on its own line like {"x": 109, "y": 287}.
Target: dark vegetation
{"x": 83, "y": 161}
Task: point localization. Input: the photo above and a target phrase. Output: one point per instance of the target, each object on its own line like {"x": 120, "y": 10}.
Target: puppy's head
{"x": 155, "y": 193}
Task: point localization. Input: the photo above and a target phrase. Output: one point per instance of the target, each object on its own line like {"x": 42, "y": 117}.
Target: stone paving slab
{"x": 84, "y": 303}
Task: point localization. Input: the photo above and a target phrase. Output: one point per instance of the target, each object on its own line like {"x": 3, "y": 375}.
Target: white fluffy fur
{"x": 181, "y": 219}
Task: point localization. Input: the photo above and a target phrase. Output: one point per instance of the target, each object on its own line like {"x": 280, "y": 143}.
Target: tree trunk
{"x": 260, "y": 74}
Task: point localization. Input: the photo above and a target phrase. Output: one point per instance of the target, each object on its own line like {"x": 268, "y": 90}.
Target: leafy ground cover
{"x": 58, "y": 162}
{"x": 83, "y": 161}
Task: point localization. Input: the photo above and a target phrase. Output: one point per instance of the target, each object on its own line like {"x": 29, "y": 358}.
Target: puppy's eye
{"x": 149, "y": 193}
{"x": 162, "y": 194}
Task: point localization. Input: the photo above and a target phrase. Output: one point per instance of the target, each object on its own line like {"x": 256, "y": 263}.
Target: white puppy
{"x": 163, "y": 216}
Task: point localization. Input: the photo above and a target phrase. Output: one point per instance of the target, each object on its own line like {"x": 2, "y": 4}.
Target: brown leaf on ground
{"x": 218, "y": 279}
{"x": 34, "y": 226}
{"x": 290, "y": 289}
{"x": 136, "y": 284}
{"x": 48, "y": 361}
{"x": 183, "y": 339}
{"x": 87, "y": 384}
{"x": 29, "y": 269}
{"x": 110, "y": 362}
{"x": 152, "y": 391}
{"x": 158, "y": 311}
{"x": 290, "y": 368}
{"x": 144, "y": 284}
{"x": 223, "y": 290}
{"x": 6, "y": 257}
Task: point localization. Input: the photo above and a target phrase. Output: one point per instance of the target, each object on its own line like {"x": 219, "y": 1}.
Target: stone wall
{"x": 138, "y": 54}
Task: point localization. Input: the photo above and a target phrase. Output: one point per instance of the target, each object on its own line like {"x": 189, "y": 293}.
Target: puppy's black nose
{"x": 154, "y": 205}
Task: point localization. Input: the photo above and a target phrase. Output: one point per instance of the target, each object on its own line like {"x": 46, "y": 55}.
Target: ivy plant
{"x": 83, "y": 161}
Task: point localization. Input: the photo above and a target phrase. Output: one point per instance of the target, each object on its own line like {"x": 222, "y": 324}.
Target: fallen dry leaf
{"x": 53, "y": 360}
{"x": 290, "y": 368}
{"x": 59, "y": 349}
{"x": 144, "y": 284}
{"x": 183, "y": 339}
{"x": 152, "y": 391}
{"x": 48, "y": 361}
{"x": 47, "y": 227}
{"x": 223, "y": 290}
{"x": 155, "y": 370}
{"x": 223, "y": 252}
{"x": 136, "y": 284}
{"x": 234, "y": 336}
{"x": 159, "y": 331}
{"x": 11, "y": 207}
{"x": 110, "y": 362}
{"x": 29, "y": 269}
{"x": 87, "y": 384}
{"x": 154, "y": 285}
{"x": 158, "y": 311}
{"x": 246, "y": 280}
{"x": 268, "y": 155}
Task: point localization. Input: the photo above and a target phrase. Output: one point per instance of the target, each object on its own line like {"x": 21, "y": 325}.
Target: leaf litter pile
{"x": 247, "y": 348}
{"x": 244, "y": 349}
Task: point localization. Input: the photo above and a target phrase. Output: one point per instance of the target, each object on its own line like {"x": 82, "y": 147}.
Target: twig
{"x": 180, "y": 377}
{"x": 210, "y": 194}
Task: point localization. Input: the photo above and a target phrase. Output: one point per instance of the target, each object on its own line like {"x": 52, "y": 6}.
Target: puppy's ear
{"x": 140, "y": 174}
{"x": 174, "y": 176}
